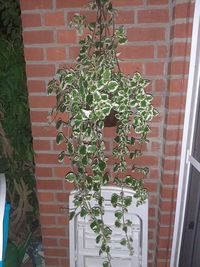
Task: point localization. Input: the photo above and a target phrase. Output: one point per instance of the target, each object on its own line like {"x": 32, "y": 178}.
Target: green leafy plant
{"x": 10, "y": 21}
{"x": 90, "y": 92}
{"x": 16, "y": 153}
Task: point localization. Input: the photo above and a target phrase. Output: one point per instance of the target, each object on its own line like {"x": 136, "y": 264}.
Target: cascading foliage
{"x": 89, "y": 93}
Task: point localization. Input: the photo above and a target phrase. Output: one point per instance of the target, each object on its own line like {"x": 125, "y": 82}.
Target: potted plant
{"x": 90, "y": 93}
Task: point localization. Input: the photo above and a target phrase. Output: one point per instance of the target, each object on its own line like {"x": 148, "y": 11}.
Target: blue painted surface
{"x": 5, "y": 230}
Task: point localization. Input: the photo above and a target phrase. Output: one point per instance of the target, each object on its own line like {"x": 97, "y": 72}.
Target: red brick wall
{"x": 178, "y": 67}
{"x": 159, "y": 34}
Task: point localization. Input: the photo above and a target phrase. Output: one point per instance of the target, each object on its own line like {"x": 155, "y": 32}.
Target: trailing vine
{"x": 89, "y": 93}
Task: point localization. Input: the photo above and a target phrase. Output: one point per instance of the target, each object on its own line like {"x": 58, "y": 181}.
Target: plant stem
{"x": 87, "y": 205}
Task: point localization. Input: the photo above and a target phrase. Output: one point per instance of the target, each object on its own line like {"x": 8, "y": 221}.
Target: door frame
{"x": 188, "y": 133}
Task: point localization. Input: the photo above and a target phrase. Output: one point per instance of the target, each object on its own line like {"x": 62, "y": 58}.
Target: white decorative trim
{"x": 190, "y": 111}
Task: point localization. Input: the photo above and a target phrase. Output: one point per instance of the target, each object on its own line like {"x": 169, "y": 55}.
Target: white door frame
{"x": 186, "y": 159}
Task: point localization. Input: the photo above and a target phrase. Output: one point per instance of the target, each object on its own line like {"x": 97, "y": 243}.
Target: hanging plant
{"x": 89, "y": 93}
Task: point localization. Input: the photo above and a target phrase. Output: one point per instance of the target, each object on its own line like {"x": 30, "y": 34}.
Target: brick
{"x": 181, "y": 49}
{"x": 56, "y": 53}
{"x": 45, "y": 197}
{"x": 71, "y": 4}
{"x": 152, "y": 187}
{"x": 49, "y": 242}
{"x": 36, "y": 86}
{"x": 162, "y": 51}
{"x": 150, "y": 235}
{"x": 49, "y": 184}
{"x": 61, "y": 171}
{"x": 109, "y": 131}
{"x": 179, "y": 67}
{"x": 153, "y": 16}
{"x": 43, "y": 172}
{"x": 46, "y": 158}
{"x": 68, "y": 186}
{"x": 176, "y": 102}
{"x": 73, "y": 52}
{"x": 149, "y": 88}
{"x": 157, "y": 2}
{"x": 44, "y": 131}
{"x": 64, "y": 242}
{"x": 162, "y": 264}
{"x": 150, "y": 247}
{"x": 66, "y": 36}
{"x": 164, "y": 243}
{"x": 160, "y": 85}
{"x": 42, "y": 102}
{"x": 157, "y": 101}
{"x": 63, "y": 220}
{"x": 170, "y": 164}
{"x": 41, "y": 145}
{"x": 62, "y": 197}
{"x": 175, "y": 118}
{"x": 127, "y": 3}
{"x": 145, "y": 34}
{"x": 59, "y": 147}
{"x": 185, "y": 10}
{"x": 136, "y": 52}
{"x": 55, "y": 231}
{"x": 65, "y": 262}
{"x": 154, "y": 132}
{"x": 170, "y": 179}
{"x": 125, "y": 17}
{"x": 54, "y": 19}
{"x": 39, "y": 116}
{"x": 155, "y": 68}
{"x": 38, "y": 37}
{"x": 155, "y": 146}
{"x": 166, "y": 219}
{"x": 163, "y": 254}
{"x": 152, "y": 223}
{"x": 152, "y": 212}
{"x": 158, "y": 118}
{"x": 47, "y": 220}
{"x": 33, "y": 54}
{"x": 173, "y": 134}
{"x": 31, "y": 20}
{"x": 51, "y": 261}
{"x": 50, "y": 208}
{"x": 59, "y": 115}
{"x": 168, "y": 193}
{"x": 35, "y": 4}
{"x": 183, "y": 30}
{"x": 131, "y": 67}
{"x": 178, "y": 85}
{"x": 57, "y": 252}
{"x": 39, "y": 70}
{"x": 153, "y": 201}
{"x": 168, "y": 206}
{"x": 145, "y": 160}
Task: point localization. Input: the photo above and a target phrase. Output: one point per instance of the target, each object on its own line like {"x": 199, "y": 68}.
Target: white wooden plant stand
{"x": 84, "y": 252}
